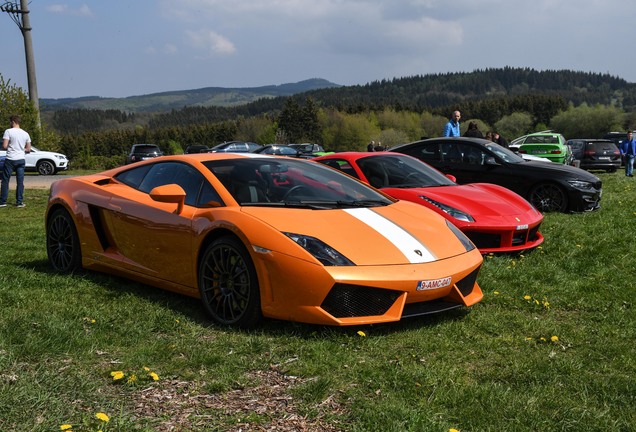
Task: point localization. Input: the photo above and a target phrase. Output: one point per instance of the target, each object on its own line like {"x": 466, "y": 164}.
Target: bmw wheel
{"x": 548, "y": 197}
{"x": 62, "y": 242}
{"x": 45, "y": 168}
{"x": 228, "y": 284}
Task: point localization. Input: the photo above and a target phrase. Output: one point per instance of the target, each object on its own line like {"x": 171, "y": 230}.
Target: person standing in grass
{"x": 17, "y": 143}
{"x": 628, "y": 149}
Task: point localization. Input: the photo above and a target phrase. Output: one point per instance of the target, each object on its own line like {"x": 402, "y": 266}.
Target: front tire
{"x": 548, "y": 197}
{"x": 46, "y": 168}
{"x": 228, "y": 284}
{"x": 62, "y": 242}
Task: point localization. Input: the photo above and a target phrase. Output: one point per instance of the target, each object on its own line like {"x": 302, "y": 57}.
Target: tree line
{"x": 511, "y": 101}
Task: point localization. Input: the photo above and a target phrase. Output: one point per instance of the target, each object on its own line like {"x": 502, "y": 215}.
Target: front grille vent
{"x": 346, "y": 301}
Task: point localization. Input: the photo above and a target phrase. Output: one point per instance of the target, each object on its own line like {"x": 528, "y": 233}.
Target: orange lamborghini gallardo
{"x": 259, "y": 236}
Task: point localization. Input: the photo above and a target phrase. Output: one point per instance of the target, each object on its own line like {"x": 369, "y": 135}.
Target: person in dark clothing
{"x": 499, "y": 140}
{"x": 473, "y": 131}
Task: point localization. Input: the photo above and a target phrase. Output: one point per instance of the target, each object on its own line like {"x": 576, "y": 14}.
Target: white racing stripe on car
{"x": 400, "y": 238}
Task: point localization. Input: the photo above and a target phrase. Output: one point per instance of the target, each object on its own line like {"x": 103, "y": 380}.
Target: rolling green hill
{"x": 166, "y": 101}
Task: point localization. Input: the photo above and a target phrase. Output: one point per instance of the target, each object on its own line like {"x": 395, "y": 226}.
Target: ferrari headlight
{"x": 452, "y": 211}
{"x": 461, "y": 236}
{"x": 324, "y": 253}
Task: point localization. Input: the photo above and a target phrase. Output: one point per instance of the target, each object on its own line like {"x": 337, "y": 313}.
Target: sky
{"x": 120, "y": 48}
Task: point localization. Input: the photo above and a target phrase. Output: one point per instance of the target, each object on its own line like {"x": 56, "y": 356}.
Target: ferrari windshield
{"x": 400, "y": 171}
{"x": 276, "y": 181}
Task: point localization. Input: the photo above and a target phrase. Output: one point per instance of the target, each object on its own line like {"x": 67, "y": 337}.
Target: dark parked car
{"x": 235, "y": 147}
{"x": 548, "y": 186}
{"x": 140, "y": 152}
{"x": 596, "y": 154}
{"x": 196, "y": 148}
{"x": 281, "y": 150}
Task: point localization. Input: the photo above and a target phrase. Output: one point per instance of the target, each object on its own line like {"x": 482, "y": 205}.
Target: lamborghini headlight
{"x": 461, "y": 236}
{"x": 324, "y": 253}
{"x": 452, "y": 211}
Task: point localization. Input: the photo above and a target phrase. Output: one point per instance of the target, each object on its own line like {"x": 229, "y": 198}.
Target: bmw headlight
{"x": 579, "y": 184}
{"x": 452, "y": 211}
{"x": 461, "y": 236}
{"x": 324, "y": 253}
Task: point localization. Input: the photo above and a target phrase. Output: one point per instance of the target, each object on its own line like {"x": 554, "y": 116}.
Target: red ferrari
{"x": 493, "y": 217}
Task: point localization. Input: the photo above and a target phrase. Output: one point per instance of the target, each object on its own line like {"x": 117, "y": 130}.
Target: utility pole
{"x": 20, "y": 15}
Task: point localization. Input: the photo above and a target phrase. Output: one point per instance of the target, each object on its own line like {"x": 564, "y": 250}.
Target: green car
{"x": 547, "y": 144}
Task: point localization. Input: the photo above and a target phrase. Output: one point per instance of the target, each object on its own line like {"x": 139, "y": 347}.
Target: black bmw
{"x": 548, "y": 186}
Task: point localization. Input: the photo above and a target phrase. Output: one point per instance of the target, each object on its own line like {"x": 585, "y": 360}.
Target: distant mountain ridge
{"x": 166, "y": 101}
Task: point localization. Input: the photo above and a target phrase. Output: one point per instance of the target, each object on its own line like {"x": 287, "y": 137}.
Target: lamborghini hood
{"x": 400, "y": 233}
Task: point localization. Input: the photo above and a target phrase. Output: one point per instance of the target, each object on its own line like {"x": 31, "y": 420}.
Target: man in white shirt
{"x": 17, "y": 143}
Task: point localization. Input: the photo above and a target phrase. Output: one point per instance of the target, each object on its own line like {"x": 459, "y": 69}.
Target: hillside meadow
{"x": 552, "y": 347}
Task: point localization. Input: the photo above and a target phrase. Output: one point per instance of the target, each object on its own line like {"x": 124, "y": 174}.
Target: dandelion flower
{"x": 496, "y": 293}
{"x": 527, "y": 297}
{"x": 453, "y": 430}
{"x": 117, "y": 375}
{"x": 66, "y": 427}
{"x": 132, "y": 379}
{"x": 154, "y": 376}
{"x": 361, "y": 333}
{"x": 554, "y": 338}
{"x": 102, "y": 416}
{"x": 146, "y": 368}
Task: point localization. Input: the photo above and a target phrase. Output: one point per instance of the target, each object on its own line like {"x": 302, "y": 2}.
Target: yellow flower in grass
{"x": 361, "y": 333}
{"x": 527, "y": 297}
{"x": 102, "y": 416}
{"x": 453, "y": 430}
{"x": 66, "y": 427}
{"x": 554, "y": 338}
{"x": 154, "y": 376}
{"x": 132, "y": 379}
{"x": 117, "y": 375}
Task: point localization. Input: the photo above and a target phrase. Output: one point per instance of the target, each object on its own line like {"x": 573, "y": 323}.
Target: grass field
{"x": 552, "y": 347}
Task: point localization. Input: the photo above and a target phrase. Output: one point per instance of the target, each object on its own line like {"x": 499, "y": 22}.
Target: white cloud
{"x": 210, "y": 41}
{"x": 83, "y": 10}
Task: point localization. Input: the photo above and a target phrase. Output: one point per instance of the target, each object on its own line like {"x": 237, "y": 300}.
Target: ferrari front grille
{"x": 346, "y": 301}
{"x": 484, "y": 240}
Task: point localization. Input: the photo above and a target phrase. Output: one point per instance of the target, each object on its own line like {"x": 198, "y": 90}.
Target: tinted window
{"x": 148, "y": 177}
{"x": 133, "y": 177}
{"x": 428, "y": 152}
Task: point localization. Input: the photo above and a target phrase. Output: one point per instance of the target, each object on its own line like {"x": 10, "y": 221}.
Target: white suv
{"x": 44, "y": 162}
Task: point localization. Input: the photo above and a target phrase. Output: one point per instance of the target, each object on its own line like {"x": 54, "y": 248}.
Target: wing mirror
{"x": 170, "y": 193}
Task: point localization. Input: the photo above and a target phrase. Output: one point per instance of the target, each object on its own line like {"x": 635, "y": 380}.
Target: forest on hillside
{"x": 512, "y": 101}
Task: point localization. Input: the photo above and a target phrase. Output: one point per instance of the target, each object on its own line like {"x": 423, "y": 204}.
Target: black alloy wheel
{"x": 62, "y": 242}
{"x": 46, "y": 168}
{"x": 548, "y": 197}
{"x": 228, "y": 284}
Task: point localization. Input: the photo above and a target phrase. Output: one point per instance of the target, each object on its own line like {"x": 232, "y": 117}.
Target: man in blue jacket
{"x": 628, "y": 149}
{"x": 452, "y": 127}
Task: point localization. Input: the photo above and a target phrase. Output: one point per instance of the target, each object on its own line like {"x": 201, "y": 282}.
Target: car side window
{"x": 184, "y": 175}
{"x": 428, "y": 152}
{"x": 341, "y": 165}
{"x": 133, "y": 177}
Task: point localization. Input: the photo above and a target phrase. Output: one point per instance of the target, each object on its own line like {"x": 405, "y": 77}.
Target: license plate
{"x": 604, "y": 158}
{"x": 537, "y": 151}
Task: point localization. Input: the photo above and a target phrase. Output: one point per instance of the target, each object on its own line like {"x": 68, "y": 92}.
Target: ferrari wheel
{"x": 62, "y": 242}
{"x": 548, "y": 197}
{"x": 228, "y": 284}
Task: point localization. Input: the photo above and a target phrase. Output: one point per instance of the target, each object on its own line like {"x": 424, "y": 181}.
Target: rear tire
{"x": 62, "y": 242}
{"x": 228, "y": 284}
{"x": 548, "y": 197}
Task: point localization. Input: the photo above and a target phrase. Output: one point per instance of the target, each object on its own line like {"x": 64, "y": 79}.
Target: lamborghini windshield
{"x": 274, "y": 181}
